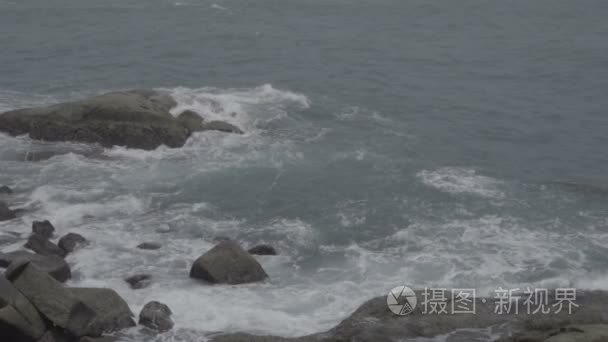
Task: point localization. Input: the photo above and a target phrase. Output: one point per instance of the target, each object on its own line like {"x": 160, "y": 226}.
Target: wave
{"x": 459, "y": 180}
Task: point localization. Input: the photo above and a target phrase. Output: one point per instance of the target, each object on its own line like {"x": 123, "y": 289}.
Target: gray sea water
{"x": 428, "y": 143}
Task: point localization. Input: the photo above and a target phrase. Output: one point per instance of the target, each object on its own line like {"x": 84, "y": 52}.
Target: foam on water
{"x": 461, "y": 180}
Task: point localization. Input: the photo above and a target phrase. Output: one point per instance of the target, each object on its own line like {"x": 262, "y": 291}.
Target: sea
{"x": 426, "y": 143}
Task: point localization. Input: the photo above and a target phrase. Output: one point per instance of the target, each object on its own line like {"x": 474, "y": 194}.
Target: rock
{"x": 43, "y": 228}
{"x": 54, "y": 335}
{"x": 222, "y": 127}
{"x": 227, "y": 263}
{"x": 156, "y": 316}
{"x": 6, "y": 213}
{"x": 111, "y": 311}
{"x": 53, "y": 301}
{"x": 5, "y": 190}
{"x": 139, "y": 281}
{"x": 149, "y": 245}
{"x": 134, "y": 118}
{"x": 191, "y": 120}
{"x": 55, "y": 266}
{"x": 262, "y": 250}
{"x": 98, "y": 339}
{"x": 373, "y": 321}
{"x": 41, "y": 245}
{"x": 19, "y": 319}
{"x": 72, "y": 241}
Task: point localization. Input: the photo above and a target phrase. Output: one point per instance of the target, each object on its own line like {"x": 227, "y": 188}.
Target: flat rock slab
{"x": 112, "y": 313}
{"x": 227, "y": 263}
{"x": 134, "y": 119}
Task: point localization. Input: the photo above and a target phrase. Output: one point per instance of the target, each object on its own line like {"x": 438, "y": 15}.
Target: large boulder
{"x": 53, "y": 301}
{"x": 156, "y": 316}
{"x": 227, "y": 263}
{"x": 43, "y": 228}
{"x": 19, "y": 319}
{"x": 72, "y": 241}
{"x": 6, "y": 213}
{"x": 112, "y": 313}
{"x": 41, "y": 245}
{"x": 55, "y": 266}
{"x": 134, "y": 118}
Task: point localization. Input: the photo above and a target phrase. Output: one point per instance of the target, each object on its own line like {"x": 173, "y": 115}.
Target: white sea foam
{"x": 461, "y": 180}
{"x": 243, "y": 107}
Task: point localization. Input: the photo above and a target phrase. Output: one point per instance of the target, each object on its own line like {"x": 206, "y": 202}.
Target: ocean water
{"x": 428, "y": 143}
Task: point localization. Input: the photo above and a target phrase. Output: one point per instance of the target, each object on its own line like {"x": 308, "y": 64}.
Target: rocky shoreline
{"x": 36, "y": 305}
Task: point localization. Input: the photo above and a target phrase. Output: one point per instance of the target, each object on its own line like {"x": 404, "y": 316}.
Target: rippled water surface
{"x": 431, "y": 143}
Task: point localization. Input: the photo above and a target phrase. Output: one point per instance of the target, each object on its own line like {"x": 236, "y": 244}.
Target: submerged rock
{"x": 55, "y": 266}
{"x": 43, "y": 246}
{"x": 156, "y": 316}
{"x": 222, "y": 127}
{"x": 227, "y": 263}
{"x": 6, "y": 213}
{"x": 262, "y": 250}
{"x": 5, "y": 190}
{"x": 43, "y": 228}
{"x": 191, "y": 120}
{"x": 72, "y": 241}
{"x": 139, "y": 281}
{"x": 149, "y": 245}
{"x": 134, "y": 118}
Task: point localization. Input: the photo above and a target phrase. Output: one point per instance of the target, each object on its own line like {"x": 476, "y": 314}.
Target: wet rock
{"x": 98, "y": 339}
{"x": 55, "y": 335}
{"x": 5, "y": 190}
{"x": 111, "y": 312}
{"x": 19, "y": 319}
{"x": 262, "y": 250}
{"x": 41, "y": 245}
{"x": 53, "y": 301}
{"x": 149, "y": 245}
{"x": 135, "y": 119}
{"x": 156, "y": 316}
{"x": 227, "y": 263}
{"x": 222, "y": 127}
{"x": 72, "y": 241}
{"x": 43, "y": 228}
{"x": 6, "y": 213}
{"x": 139, "y": 281}
{"x": 55, "y": 266}
{"x": 191, "y": 120}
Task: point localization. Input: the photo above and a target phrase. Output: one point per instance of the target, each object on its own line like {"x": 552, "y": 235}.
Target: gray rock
{"x": 227, "y": 263}
{"x": 191, "y": 120}
{"x": 111, "y": 311}
{"x": 41, "y": 245}
{"x": 5, "y": 190}
{"x": 98, "y": 339}
{"x": 262, "y": 250}
{"x": 43, "y": 228}
{"x": 72, "y": 241}
{"x": 135, "y": 119}
{"x": 53, "y": 301}
{"x": 156, "y": 316}
{"x": 221, "y": 126}
{"x": 54, "y": 335}
{"x": 139, "y": 281}
{"x": 6, "y": 213}
{"x": 149, "y": 245}
{"x": 55, "y": 266}
{"x": 17, "y": 314}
